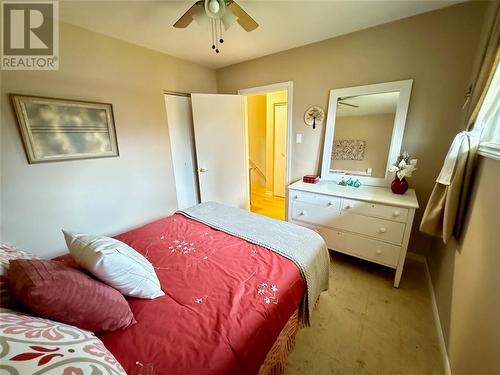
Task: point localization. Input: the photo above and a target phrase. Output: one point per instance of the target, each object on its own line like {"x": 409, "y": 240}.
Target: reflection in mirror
{"x": 363, "y": 133}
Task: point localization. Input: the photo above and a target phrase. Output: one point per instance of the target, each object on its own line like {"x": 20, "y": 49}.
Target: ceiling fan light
{"x": 215, "y": 11}
{"x": 214, "y": 6}
{"x": 228, "y": 19}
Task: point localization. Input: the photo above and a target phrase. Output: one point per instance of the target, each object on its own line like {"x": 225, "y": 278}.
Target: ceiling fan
{"x": 219, "y": 15}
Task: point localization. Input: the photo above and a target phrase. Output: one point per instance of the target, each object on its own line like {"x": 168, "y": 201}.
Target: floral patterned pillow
{"x": 8, "y": 253}
{"x": 30, "y": 345}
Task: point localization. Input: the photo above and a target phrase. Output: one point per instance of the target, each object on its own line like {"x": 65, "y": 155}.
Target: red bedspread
{"x": 226, "y": 301}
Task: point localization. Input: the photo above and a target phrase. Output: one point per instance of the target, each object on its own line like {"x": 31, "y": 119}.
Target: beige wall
{"x": 256, "y": 109}
{"x": 376, "y": 130}
{"x": 434, "y": 49}
{"x": 466, "y": 280}
{"x": 100, "y": 195}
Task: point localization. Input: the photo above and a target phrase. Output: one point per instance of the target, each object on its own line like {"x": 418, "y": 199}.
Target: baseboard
{"x": 435, "y": 311}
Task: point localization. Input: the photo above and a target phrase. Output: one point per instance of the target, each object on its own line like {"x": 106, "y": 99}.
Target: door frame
{"x": 274, "y": 144}
{"x": 288, "y": 86}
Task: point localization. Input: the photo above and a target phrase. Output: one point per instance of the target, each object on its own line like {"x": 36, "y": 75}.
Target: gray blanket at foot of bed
{"x": 302, "y": 246}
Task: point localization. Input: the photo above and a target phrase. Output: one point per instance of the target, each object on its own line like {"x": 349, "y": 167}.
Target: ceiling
{"x": 369, "y": 104}
{"x": 283, "y": 24}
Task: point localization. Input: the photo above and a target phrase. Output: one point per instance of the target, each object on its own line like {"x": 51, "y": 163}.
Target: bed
{"x": 232, "y": 306}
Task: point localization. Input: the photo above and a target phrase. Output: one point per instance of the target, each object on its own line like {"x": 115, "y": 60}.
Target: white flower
{"x": 267, "y": 300}
{"x": 274, "y": 288}
{"x": 401, "y": 168}
{"x": 406, "y": 172}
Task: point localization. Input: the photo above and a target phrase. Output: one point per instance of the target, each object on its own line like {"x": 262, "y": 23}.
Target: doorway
{"x": 268, "y": 149}
{"x": 210, "y": 148}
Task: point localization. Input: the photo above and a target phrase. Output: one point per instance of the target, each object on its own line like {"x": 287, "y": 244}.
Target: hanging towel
{"x": 441, "y": 216}
{"x": 446, "y": 174}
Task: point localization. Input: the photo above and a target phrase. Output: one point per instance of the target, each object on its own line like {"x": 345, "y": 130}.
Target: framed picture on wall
{"x": 60, "y": 129}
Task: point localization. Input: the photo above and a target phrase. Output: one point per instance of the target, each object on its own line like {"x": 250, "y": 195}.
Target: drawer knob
{"x": 378, "y": 252}
{"x": 295, "y": 196}
{"x": 330, "y": 203}
{"x": 347, "y": 207}
{"x": 382, "y": 230}
{"x": 396, "y": 213}
{"x": 303, "y": 213}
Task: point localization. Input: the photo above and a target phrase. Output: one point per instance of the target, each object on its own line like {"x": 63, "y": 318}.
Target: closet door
{"x": 180, "y": 129}
{"x": 221, "y": 151}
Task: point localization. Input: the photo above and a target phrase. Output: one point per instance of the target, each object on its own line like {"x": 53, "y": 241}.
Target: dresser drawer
{"x": 376, "y": 210}
{"x": 381, "y": 229}
{"x": 373, "y": 250}
{"x": 331, "y": 217}
{"x": 315, "y": 199}
{"x": 315, "y": 213}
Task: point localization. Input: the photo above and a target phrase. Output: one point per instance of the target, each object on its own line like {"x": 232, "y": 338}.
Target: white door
{"x": 280, "y": 132}
{"x": 221, "y": 151}
{"x": 180, "y": 129}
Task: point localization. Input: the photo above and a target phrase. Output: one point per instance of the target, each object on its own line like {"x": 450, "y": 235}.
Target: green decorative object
{"x": 350, "y": 182}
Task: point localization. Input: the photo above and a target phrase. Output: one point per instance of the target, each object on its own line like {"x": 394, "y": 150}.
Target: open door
{"x": 220, "y": 137}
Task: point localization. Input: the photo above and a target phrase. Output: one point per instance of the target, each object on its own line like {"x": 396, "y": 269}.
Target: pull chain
{"x": 216, "y": 28}
{"x": 221, "y": 40}
{"x": 216, "y": 36}
{"x": 212, "y": 24}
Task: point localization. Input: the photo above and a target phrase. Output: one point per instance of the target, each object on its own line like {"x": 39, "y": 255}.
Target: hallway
{"x": 267, "y": 205}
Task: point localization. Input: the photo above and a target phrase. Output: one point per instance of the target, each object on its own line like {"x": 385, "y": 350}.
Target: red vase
{"x": 399, "y": 186}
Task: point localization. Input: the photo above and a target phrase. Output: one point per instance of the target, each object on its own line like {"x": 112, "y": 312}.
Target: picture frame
{"x": 54, "y": 129}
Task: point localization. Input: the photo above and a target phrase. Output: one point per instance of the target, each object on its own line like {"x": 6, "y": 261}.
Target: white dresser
{"x": 367, "y": 222}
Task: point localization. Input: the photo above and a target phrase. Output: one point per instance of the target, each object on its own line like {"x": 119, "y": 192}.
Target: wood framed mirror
{"x": 364, "y": 131}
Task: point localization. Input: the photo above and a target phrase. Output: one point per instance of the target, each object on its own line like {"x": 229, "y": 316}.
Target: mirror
{"x": 364, "y": 132}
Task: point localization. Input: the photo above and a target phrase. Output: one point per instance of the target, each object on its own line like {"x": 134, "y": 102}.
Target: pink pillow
{"x": 61, "y": 293}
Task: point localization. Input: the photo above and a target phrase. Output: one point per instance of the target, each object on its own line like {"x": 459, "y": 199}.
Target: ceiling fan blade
{"x": 350, "y": 105}
{"x": 187, "y": 17}
{"x": 245, "y": 21}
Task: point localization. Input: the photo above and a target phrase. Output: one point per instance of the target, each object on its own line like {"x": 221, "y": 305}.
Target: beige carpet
{"x": 365, "y": 326}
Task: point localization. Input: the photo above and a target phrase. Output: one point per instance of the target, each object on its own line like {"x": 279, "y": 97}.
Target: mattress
{"x": 226, "y": 301}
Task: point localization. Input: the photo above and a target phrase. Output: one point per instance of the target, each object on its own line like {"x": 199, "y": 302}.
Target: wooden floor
{"x": 267, "y": 205}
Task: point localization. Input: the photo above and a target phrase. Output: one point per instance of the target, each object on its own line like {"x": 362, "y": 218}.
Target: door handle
{"x": 202, "y": 170}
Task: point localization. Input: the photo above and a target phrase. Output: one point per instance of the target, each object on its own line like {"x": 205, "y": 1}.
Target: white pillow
{"x": 115, "y": 264}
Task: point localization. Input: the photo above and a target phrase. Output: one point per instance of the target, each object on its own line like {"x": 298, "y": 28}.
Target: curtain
{"x": 445, "y": 211}
{"x": 487, "y": 64}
